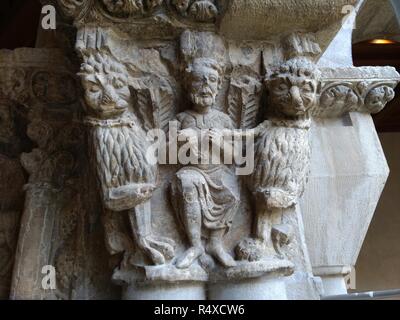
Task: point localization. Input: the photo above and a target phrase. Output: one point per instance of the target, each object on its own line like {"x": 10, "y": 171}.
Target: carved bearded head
{"x": 293, "y": 87}
{"x": 204, "y": 82}
{"x": 204, "y": 58}
{"x": 106, "y": 85}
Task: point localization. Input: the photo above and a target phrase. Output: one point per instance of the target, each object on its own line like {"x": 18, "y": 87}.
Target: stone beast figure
{"x": 118, "y": 146}
{"x": 282, "y": 154}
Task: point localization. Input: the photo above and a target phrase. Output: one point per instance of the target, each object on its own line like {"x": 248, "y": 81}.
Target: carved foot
{"x": 158, "y": 249}
{"x": 217, "y": 251}
{"x": 189, "y": 257}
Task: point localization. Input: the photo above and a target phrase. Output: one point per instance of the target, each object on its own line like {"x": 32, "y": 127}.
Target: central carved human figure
{"x": 205, "y": 196}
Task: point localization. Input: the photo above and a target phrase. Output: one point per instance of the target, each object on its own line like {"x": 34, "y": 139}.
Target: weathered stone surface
{"x": 41, "y": 89}
{"x": 206, "y": 73}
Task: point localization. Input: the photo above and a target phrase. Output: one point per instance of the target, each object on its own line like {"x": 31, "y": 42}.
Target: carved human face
{"x": 106, "y": 94}
{"x": 204, "y": 85}
{"x": 293, "y": 94}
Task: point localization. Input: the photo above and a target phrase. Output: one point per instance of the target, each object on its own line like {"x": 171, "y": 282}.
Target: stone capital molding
{"x": 352, "y": 89}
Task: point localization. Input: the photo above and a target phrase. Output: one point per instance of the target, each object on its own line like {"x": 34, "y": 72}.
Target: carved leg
{"x": 192, "y": 223}
{"x": 216, "y": 249}
{"x": 264, "y": 222}
{"x": 157, "y": 248}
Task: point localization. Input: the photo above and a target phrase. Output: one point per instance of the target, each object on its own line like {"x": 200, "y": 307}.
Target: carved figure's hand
{"x": 216, "y": 136}
{"x": 187, "y": 134}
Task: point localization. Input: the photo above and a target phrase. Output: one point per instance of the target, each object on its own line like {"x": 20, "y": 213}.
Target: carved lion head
{"x": 293, "y": 87}
{"x": 106, "y": 85}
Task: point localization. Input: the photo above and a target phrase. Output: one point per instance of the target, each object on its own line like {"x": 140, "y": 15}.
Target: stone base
{"x": 333, "y": 279}
{"x": 256, "y": 269}
{"x": 165, "y": 291}
{"x": 265, "y": 288}
{"x": 170, "y": 273}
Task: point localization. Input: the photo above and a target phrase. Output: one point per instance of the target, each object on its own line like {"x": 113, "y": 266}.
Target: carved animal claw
{"x": 282, "y": 235}
{"x": 144, "y": 193}
{"x": 278, "y": 198}
{"x": 158, "y": 249}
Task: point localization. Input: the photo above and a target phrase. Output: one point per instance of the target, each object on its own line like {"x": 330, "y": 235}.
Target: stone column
{"x": 348, "y": 167}
{"x": 54, "y": 215}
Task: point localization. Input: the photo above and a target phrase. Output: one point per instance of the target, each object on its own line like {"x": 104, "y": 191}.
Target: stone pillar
{"x": 348, "y": 173}
{"x": 270, "y": 287}
{"x": 182, "y": 291}
{"x": 348, "y": 167}
{"x": 49, "y": 146}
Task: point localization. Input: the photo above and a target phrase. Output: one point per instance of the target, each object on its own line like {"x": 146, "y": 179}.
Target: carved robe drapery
{"x": 215, "y": 185}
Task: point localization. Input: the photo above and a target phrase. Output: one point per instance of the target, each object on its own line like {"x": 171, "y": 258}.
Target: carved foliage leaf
{"x": 198, "y": 10}
{"x": 163, "y": 107}
{"x": 143, "y": 107}
{"x": 244, "y": 100}
{"x": 155, "y": 105}
{"x": 339, "y": 98}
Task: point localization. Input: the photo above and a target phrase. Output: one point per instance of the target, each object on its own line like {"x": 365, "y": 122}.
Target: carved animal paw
{"x": 278, "y": 198}
{"x": 282, "y": 235}
{"x": 158, "y": 249}
{"x": 250, "y": 250}
{"x": 217, "y": 251}
{"x": 190, "y": 256}
{"x": 144, "y": 193}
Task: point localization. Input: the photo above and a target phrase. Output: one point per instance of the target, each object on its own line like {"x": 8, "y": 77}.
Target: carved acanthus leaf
{"x": 155, "y": 103}
{"x": 244, "y": 99}
{"x": 124, "y": 7}
{"x": 195, "y": 10}
{"x": 363, "y": 89}
{"x": 339, "y": 98}
{"x": 142, "y": 97}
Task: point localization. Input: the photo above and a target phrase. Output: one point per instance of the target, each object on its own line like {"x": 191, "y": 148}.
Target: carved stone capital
{"x": 351, "y": 89}
{"x": 245, "y": 70}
